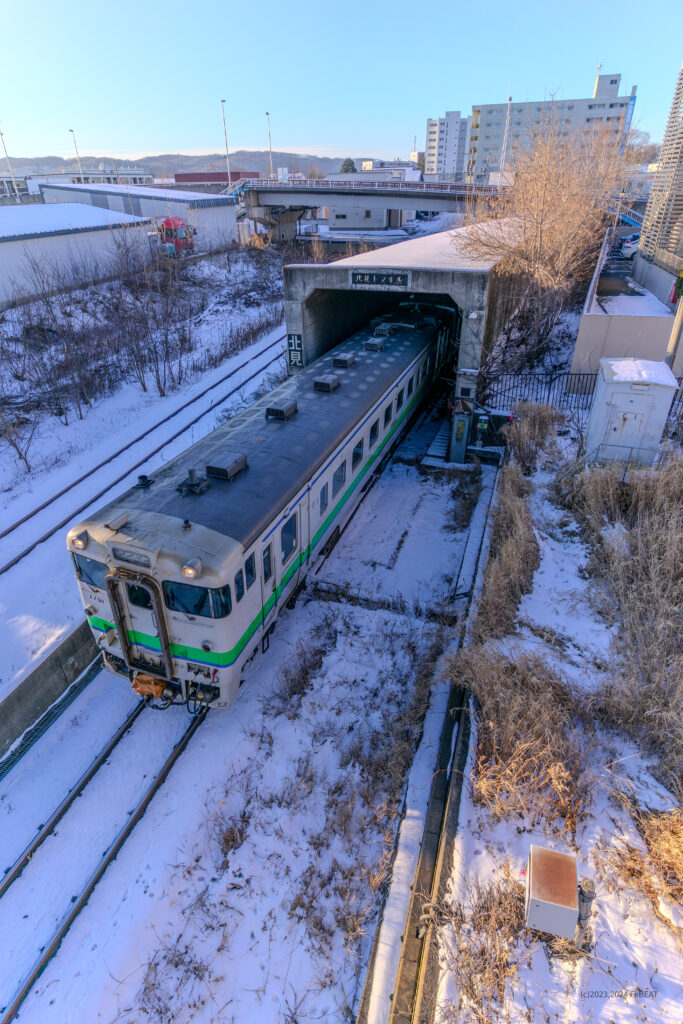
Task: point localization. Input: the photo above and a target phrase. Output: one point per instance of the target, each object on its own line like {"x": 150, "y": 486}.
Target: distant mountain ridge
{"x": 166, "y": 164}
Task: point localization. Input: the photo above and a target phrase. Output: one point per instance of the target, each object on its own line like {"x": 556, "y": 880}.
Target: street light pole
{"x": 270, "y": 148}
{"x": 9, "y": 168}
{"x": 80, "y": 169}
{"x": 225, "y": 133}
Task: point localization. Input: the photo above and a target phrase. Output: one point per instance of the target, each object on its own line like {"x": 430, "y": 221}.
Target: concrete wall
{"x": 354, "y": 217}
{"x": 45, "y": 685}
{"x": 602, "y": 335}
{"x": 654, "y": 278}
{"x": 54, "y": 262}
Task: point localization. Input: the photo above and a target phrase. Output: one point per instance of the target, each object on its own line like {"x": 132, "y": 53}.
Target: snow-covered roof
{"x": 151, "y": 192}
{"x": 638, "y": 371}
{"x": 35, "y": 219}
{"x": 440, "y": 251}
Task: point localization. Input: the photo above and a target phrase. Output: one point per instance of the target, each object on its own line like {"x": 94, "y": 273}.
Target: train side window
{"x": 239, "y": 585}
{"x": 374, "y": 433}
{"x": 323, "y": 498}
{"x": 222, "y": 603}
{"x": 267, "y": 563}
{"x": 338, "y": 478}
{"x": 357, "y": 454}
{"x": 250, "y": 569}
{"x": 288, "y": 537}
{"x": 411, "y": 383}
{"x": 138, "y": 596}
{"x": 387, "y": 414}
{"x": 399, "y": 400}
{"x": 90, "y": 571}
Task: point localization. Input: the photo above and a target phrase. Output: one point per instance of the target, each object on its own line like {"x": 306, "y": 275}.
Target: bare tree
{"x": 543, "y": 232}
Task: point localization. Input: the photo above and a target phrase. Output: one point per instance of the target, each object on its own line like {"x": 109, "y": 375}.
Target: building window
{"x": 250, "y": 570}
{"x": 357, "y": 455}
{"x": 288, "y": 537}
{"x": 323, "y": 498}
{"x": 613, "y": 81}
{"x": 338, "y": 478}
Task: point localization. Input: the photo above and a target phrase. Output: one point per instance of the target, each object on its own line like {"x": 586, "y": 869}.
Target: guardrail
{"x": 325, "y": 185}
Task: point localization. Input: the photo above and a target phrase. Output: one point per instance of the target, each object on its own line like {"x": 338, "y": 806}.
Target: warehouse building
{"x": 50, "y": 248}
{"x": 214, "y": 218}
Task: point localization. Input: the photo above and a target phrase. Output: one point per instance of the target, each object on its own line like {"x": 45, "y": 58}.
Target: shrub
{"x": 529, "y": 432}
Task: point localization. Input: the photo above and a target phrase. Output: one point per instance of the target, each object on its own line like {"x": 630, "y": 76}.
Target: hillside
{"x": 168, "y": 163}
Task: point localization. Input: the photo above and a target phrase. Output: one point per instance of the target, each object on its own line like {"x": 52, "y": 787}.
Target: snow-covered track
{"x": 12, "y": 873}
{"x": 130, "y": 469}
{"x": 10, "y": 1011}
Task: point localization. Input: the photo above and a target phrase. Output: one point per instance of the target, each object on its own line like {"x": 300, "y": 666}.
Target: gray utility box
{"x": 630, "y": 406}
{"x": 552, "y": 899}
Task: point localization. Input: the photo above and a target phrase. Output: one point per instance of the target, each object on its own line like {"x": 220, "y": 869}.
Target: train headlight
{"x": 192, "y": 569}
{"x": 80, "y": 541}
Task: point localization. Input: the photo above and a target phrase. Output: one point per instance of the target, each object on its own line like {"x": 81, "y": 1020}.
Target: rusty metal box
{"x": 552, "y": 901}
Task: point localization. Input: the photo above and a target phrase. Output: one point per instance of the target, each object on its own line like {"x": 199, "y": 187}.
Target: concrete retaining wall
{"x": 45, "y": 685}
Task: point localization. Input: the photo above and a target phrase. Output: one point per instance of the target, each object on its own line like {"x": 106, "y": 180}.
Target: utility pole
{"x": 675, "y": 336}
{"x": 11, "y": 172}
{"x": 270, "y": 148}
{"x": 225, "y": 134}
{"x": 80, "y": 169}
{"x": 504, "y": 151}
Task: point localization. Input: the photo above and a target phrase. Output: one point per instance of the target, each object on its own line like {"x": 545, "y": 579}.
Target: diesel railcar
{"x": 183, "y": 575}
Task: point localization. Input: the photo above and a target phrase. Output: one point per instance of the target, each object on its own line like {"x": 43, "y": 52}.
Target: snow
{"x": 438, "y": 251}
{"x": 39, "y": 219}
{"x": 639, "y": 371}
{"x": 635, "y": 965}
{"x": 643, "y": 303}
{"x": 176, "y": 931}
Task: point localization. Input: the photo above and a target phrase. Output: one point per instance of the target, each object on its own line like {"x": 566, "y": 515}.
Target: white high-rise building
{"x": 497, "y": 129}
{"x": 446, "y": 146}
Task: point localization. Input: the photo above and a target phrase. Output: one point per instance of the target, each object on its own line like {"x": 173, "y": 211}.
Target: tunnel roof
{"x": 440, "y": 251}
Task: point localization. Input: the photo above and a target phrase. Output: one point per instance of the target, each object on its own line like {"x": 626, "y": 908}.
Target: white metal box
{"x": 630, "y": 405}
{"x": 552, "y": 900}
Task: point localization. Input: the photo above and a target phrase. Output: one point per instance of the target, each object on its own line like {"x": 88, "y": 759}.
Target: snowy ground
{"x": 635, "y": 968}
{"x": 250, "y": 889}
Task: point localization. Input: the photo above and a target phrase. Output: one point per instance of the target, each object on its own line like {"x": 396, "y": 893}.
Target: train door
{"x": 140, "y": 621}
{"x": 268, "y": 582}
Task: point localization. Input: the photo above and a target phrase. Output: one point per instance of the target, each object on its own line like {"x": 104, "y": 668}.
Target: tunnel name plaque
{"x": 379, "y": 279}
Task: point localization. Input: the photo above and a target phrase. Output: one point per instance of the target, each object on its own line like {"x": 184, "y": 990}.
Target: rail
{"x": 46, "y": 955}
{"x": 213, "y": 405}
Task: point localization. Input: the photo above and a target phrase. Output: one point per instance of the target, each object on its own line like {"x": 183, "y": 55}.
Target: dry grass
{"x": 465, "y": 494}
{"x": 227, "y": 833}
{"x": 636, "y": 534}
{"x": 513, "y": 559}
{"x": 530, "y": 433}
{"x": 656, "y": 873}
{"x": 481, "y": 949}
{"x": 530, "y": 751}
{"x": 293, "y": 681}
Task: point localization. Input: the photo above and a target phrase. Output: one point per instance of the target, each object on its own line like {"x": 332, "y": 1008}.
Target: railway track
{"x": 78, "y": 902}
{"x": 140, "y": 462}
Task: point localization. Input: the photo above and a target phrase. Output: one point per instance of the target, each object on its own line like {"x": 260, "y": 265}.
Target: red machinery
{"x": 176, "y": 236}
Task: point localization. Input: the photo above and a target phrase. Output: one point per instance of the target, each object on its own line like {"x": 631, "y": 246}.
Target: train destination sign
{"x": 379, "y": 279}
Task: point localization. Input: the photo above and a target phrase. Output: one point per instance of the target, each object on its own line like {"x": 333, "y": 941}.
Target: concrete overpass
{"x": 279, "y": 205}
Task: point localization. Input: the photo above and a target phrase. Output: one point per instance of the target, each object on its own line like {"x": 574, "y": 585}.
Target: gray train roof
{"x": 282, "y": 455}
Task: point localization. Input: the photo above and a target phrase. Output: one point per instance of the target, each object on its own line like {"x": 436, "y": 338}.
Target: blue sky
{"x": 338, "y": 76}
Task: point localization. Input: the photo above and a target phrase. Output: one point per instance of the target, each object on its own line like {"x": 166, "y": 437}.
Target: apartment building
{"x": 446, "y": 146}
{"x": 659, "y": 260}
{"x": 497, "y": 129}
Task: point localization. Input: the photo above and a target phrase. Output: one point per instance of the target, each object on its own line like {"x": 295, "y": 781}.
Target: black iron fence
{"x": 571, "y": 392}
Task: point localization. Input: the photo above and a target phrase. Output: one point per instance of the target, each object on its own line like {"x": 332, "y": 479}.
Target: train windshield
{"x": 90, "y": 571}
{"x": 183, "y": 597}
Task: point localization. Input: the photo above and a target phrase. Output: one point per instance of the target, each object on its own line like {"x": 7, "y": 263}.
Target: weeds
{"x": 513, "y": 560}
{"x": 529, "y": 433}
{"x": 293, "y": 681}
{"x": 529, "y": 750}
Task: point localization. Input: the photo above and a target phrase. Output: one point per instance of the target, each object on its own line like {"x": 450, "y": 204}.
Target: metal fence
{"x": 570, "y": 392}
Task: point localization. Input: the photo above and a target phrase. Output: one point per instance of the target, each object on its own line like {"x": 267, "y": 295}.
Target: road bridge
{"x": 278, "y": 205}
